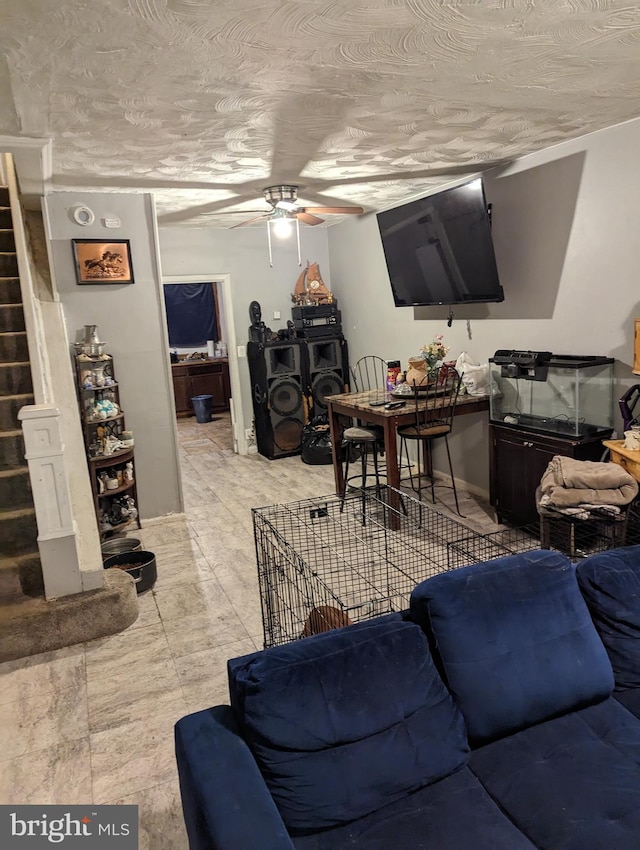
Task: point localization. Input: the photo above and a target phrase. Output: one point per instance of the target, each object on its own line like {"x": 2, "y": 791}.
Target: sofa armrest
{"x": 225, "y": 801}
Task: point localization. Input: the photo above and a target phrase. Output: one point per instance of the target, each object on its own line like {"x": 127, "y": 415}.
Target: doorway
{"x": 226, "y": 339}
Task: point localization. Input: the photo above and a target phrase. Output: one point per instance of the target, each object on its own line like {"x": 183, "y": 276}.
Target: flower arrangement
{"x": 435, "y": 351}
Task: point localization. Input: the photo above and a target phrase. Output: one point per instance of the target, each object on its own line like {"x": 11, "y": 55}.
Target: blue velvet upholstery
{"x": 610, "y": 583}
{"x": 516, "y": 641}
{"x": 630, "y": 699}
{"x": 455, "y": 813}
{"x": 224, "y": 799}
{"x": 346, "y": 722}
{"x": 572, "y": 783}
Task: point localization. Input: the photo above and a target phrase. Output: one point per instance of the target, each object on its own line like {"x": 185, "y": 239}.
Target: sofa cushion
{"x": 455, "y": 813}
{"x": 516, "y": 641}
{"x": 610, "y": 583}
{"x": 345, "y": 722}
{"x": 571, "y": 783}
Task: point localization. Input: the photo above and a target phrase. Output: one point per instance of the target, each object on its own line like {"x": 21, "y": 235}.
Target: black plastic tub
{"x": 141, "y": 565}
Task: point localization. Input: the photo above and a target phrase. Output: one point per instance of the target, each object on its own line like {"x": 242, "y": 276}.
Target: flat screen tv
{"x": 439, "y": 249}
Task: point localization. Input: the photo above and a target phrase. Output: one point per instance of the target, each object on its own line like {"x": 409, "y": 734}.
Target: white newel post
{"x": 57, "y": 533}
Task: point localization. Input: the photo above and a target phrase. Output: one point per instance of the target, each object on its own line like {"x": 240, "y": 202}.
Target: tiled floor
{"x": 94, "y": 723}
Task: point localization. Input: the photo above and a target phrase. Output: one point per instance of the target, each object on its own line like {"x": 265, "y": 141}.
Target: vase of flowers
{"x": 424, "y": 368}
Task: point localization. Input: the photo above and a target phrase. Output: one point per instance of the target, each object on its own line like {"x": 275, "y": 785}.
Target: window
{"x": 192, "y": 314}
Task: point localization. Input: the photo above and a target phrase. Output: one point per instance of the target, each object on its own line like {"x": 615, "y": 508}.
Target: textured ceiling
{"x": 358, "y": 101}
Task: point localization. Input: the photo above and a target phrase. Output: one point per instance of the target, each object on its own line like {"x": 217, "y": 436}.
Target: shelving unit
{"x": 109, "y": 454}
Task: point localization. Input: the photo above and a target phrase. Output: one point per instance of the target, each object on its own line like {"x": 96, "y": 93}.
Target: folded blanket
{"x": 568, "y": 482}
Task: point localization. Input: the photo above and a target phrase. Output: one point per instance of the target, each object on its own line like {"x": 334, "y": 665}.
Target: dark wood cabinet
{"x": 518, "y": 460}
{"x": 210, "y": 377}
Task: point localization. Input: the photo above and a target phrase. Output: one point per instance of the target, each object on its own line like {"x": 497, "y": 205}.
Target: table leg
{"x": 391, "y": 453}
{"x": 336, "y": 450}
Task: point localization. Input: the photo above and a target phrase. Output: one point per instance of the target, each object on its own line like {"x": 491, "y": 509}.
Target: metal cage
{"x": 319, "y": 567}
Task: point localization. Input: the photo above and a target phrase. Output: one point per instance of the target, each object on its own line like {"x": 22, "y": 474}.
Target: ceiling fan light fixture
{"x": 282, "y": 227}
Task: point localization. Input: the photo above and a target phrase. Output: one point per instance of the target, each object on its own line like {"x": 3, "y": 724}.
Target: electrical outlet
{"x": 248, "y": 434}
{"x": 276, "y": 314}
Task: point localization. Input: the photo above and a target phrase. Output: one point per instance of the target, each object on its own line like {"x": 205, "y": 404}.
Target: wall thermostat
{"x": 83, "y": 216}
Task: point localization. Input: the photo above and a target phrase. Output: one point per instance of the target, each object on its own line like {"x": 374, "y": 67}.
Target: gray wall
{"x": 130, "y": 320}
{"x": 565, "y": 232}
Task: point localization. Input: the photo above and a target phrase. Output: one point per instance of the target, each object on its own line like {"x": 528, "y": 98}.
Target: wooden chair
{"x": 433, "y": 421}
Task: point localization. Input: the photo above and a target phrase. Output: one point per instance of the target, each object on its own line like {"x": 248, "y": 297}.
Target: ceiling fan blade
{"x": 335, "y": 210}
{"x": 240, "y": 212}
{"x": 250, "y": 221}
{"x": 303, "y": 216}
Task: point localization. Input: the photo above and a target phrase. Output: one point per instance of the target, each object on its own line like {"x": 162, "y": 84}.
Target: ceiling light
{"x": 286, "y": 205}
{"x": 282, "y": 228}
{"x": 282, "y": 224}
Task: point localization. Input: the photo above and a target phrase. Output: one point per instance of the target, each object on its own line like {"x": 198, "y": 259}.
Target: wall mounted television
{"x": 439, "y": 249}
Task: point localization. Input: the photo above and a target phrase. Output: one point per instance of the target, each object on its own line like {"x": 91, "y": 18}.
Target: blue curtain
{"x": 191, "y": 314}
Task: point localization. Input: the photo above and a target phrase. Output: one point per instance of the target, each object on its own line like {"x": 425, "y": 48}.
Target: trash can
{"x": 202, "y": 406}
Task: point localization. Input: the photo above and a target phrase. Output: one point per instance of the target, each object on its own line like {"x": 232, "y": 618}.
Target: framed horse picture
{"x": 99, "y": 262}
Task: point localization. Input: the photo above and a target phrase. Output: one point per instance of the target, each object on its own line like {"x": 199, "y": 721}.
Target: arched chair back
{"x": 434, "y": 405}
{"x": 369, "y": 373}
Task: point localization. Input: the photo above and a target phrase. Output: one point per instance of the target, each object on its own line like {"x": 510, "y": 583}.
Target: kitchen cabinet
{"x": 518, "y": 459}
{"x": 201, "y": 377}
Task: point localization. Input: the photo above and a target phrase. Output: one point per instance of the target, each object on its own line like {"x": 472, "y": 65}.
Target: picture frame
{"x": 101, "y": 261}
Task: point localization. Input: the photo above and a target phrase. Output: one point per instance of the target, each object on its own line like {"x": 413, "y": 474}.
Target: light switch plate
{"x": 242, "y": 351}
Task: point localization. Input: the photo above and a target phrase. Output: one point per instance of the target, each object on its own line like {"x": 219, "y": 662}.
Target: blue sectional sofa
{"x": 500, "y": 712}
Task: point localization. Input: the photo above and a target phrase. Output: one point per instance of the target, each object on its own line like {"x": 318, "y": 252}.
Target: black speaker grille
{"x": 324, "y": 384}
{"x": 285, "y": 397}
{"x": 287, "y": 435}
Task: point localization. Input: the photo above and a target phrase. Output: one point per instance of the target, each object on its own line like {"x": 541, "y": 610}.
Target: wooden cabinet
{"x": 518, "y": 460}
{"x": 209, "y": 377}
{"x": 108, "y": 444}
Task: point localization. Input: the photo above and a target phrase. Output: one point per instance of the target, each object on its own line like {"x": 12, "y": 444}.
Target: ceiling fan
{"x": 283, "y": 202}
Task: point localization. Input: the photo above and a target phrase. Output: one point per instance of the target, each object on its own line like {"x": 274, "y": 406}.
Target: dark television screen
{"x": 439, "y": 249}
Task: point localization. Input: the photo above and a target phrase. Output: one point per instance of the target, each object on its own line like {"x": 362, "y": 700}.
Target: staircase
{"x": 20, "y": 570}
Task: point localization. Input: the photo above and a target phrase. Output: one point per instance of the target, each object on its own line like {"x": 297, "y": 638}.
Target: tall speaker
{"x": 278, "y": 400}
{"x": 326, "y": 367}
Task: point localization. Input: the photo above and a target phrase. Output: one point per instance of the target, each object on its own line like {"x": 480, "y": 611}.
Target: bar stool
{"x": 435, "y": 405}
{"x": 369, "y": 373}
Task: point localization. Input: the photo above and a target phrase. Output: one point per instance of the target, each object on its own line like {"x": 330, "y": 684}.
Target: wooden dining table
{"x": 358, "y": 405}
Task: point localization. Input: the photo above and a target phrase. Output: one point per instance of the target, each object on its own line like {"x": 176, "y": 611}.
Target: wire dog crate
{"x": 322, "y": 564}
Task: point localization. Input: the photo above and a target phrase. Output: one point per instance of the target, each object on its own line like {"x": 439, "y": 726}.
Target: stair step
{"x": 21, "y": 575}
{"x": 6, "y": 220}
{"x": 11, "y": 318}
{"x": 15, "y": 378}
{"x": 8, "y": 264}
{"x": 13, "y": 346}
{"x": 11, "y": 449}
{"x": 15, "y": 488}
{"x": 18, "y": 532}
{"x": 7, "y": 241}
{"x": 10, "y": 406}
{"x": 10, "y": 292}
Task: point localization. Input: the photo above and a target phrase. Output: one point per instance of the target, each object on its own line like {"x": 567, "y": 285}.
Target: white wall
{"x": 130, "y": 318}
{"x": 243, "y": 254}
{"x": 565, "y": 227}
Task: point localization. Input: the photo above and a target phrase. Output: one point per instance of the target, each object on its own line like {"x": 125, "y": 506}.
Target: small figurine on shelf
{"x": 102, "y": 482}
{"x": 104, "y": 408}
{"x": 128, "y": 473}
{"x": 127, "y": 438}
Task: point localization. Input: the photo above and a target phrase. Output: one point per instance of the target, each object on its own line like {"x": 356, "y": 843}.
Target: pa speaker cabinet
{"x": 326, "y": 365}
{"x": 279, "y": 405}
